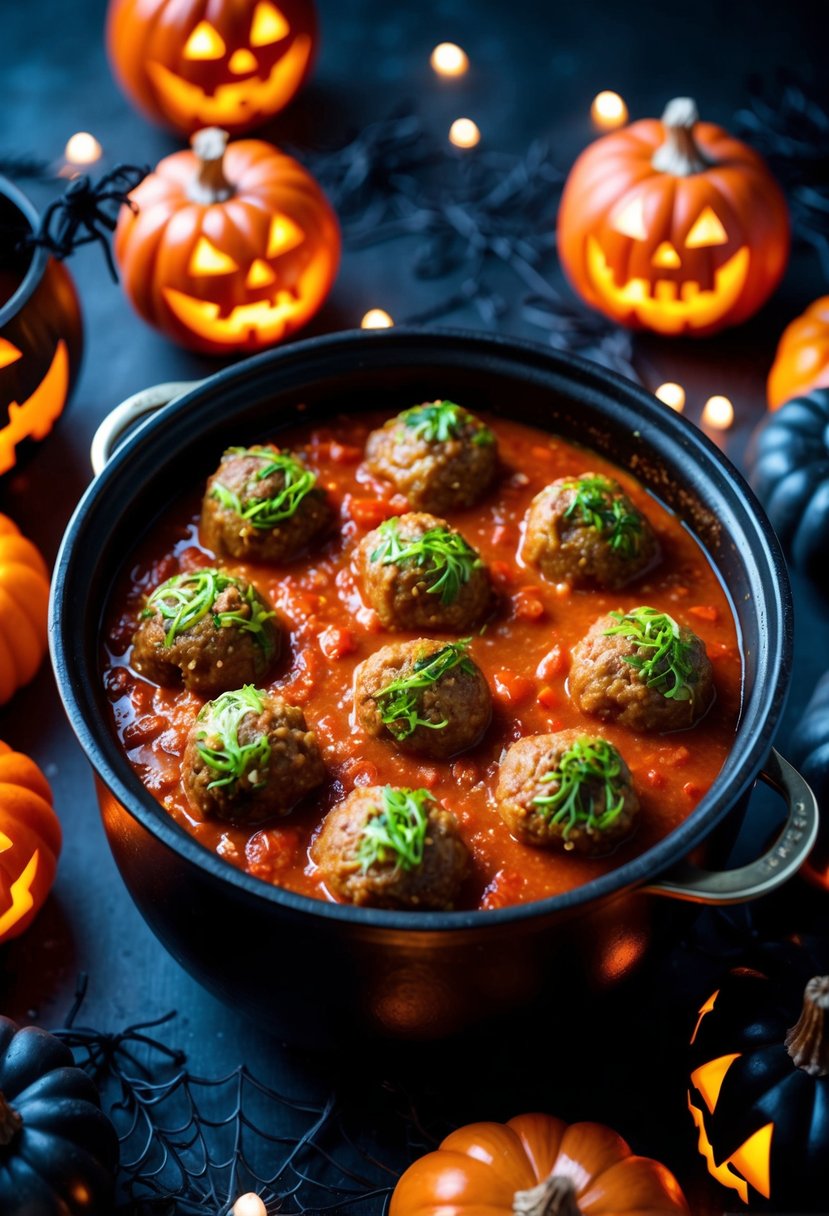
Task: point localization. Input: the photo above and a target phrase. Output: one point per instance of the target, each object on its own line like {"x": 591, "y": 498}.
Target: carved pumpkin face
{"x": 30, "y": 841}
{"x": 245, "y": 266}
{"x": 232, "y": 64}
{"x": 673, "y": 226}
{"x": 32, "y": 410}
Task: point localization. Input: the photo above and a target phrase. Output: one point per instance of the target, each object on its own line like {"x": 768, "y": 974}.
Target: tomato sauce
{"x": 524, "y": 652}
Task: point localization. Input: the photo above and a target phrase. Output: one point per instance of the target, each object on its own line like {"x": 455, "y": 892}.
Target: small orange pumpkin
{"x": 24, "y": 599}
{"x": 802, "y": 359}
{"x": 673, "y": 226}
{"x": 30, "y": 841}
{"x": 536, "y": 1165}
{"x": 228, "y": 248}
{"x": 229, "y": 63}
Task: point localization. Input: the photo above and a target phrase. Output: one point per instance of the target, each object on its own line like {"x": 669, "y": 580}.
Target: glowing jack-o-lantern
{"x": 759, "y": 1088}
{"x": 30, "y": 841}
{"x": 802, "y": 359}
{"x": 673, "y": 226}
{"x": 230, "y": 63}
{"x": 228, "y": 248}
{"x": 40, "y": 332}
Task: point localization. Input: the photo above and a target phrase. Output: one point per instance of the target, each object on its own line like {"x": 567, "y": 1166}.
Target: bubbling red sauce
{"x": 524, "y": 652}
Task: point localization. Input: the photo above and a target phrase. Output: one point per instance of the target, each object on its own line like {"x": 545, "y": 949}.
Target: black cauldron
{"x": 316, "y": 971}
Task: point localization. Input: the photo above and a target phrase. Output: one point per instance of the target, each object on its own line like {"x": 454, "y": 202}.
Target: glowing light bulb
{"x": 82, "y": 149}
{"x": 718, "y": 413}
{"x": 376, "y": 318}
{"x": 608, "y": 110}
{"x": 464, "y": 133}
{"x": 449, "y": 59}
{"x": 249, "y": 1205}
{"x": 672, "y": 395}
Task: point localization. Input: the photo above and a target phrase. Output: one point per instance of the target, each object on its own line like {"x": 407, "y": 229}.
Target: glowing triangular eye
{"x": 666, "y": 256}
{"x": 204, "y": 43}
{"x": 268, "y": 25}
{"x": 631, "y": 220}
{"x": 706, "y": 231}
{"x": 753, "y": 1160}
{"x": 207, "y": 259}
{"x": 8, "y": 352}
{"x": 708, "y": 1078}
{"x": 284, "y": 235}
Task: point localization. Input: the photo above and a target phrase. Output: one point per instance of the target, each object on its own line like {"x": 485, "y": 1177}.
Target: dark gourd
{"x": 58, "y": 1150}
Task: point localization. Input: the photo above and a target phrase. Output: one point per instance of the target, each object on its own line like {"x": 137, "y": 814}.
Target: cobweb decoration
{"x": 191, "y": 1145}
{"x": 788, "y": 123}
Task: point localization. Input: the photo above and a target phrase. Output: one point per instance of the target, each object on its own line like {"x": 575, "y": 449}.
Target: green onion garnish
{"x": 398, "y": 832}
{"x": 217, "y": 742}
{"x": 587, "y": 778}
{"x": 599, "y": 506}
{"x": 439, "y": 551}
{"x": 399, "y": 702}
{"x": 440, "y": 421}
{"x": 667, "y": 665}
{"x": 185, "y": 599}
{"x": 266, "y": 513}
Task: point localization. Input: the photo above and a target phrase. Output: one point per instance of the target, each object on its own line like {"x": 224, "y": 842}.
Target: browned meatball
{"x": 392, "y": 848}
{"x": 262, "y": 505}
{"x": 437, "y": 454}
{"x": 567, "y": 791}
{"x": 208, "y": 629}
{"x": 250, "y": 757}
{"x": 586, "y": 531}
{"x": 427, "y": 696}
{"x": 643, "y": 670}
{"x": 420, "y": 574}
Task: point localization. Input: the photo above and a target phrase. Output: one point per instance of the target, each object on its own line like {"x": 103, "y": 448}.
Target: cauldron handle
{"x": 118, "y": 421}
{"x": 767, "y": 873}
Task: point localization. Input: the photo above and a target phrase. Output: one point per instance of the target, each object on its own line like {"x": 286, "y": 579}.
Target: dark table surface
{"x": 534, "y": 70}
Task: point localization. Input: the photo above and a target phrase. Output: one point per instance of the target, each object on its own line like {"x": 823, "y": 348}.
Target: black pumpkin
{"x": 58, "y": 1150}
{"x": 809, "y": 749}
{"x": 789, "y": 469}
{"x": 759, "y": 1092}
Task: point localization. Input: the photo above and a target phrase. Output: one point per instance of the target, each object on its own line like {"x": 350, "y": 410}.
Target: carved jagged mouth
{"x": 261, "y": 322}
{"x": 36, "y": 415}
{"x": 665, "y": 305}
{"x": 187, "y": 102}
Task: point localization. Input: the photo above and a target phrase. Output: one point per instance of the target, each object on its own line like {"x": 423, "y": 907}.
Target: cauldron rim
{"x": 733, "y": 781}
{"x": 39, "y": 256}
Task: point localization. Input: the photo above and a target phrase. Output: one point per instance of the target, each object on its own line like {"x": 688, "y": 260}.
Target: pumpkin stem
{"x": 10, "y": 1122}
{"x": 210, "y": 184}
{"x": 808, "y": 1041}
{"x": 680, "y": 154}
{"x": 555, "y": 1196}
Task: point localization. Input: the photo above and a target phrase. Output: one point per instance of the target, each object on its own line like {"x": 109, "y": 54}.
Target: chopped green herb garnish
{"x": 587, "y": 776}
{"x": 666, "y": 665}
{"x": 217, "y": 742}
{"x": 185, "y": 599}
{"x": 598, "y": 506}
{"x": 440, "y": 421}
{"x": 399, "y": 702}
{"x": 398, "y": 833}
{"x": 439, "y": 551}
{"x": 266, "y": 513}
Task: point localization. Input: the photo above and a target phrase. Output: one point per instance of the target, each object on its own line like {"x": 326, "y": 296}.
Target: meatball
{"x": 438, "y": 455}
{"x": 420, "y": 574}
{"x": 262, "y": 505}
{"x": 566, "y": 791}
{"x": 208, "y": 629}
{"x": 643, "y": 670}
{"x": 586, "y": 531}
{"x": 392, "y": 848}
{"x": 250, "y": 757}
{"x": 428, "y": 697}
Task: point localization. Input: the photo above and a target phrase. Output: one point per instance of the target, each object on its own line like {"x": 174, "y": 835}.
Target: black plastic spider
{"x": 87, "y": 212}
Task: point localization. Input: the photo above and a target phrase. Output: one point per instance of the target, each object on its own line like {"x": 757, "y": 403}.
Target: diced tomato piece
{"x": 512, "y": 689}
{"x": 336, "y": 643}
{"x": 691, "y": 790}
{"x": 555, "y": 663}
{"x": 399, "y": 504}
{"x": 501, "y": 573}
{"x": 705, "y": 612}
{"x": 428, "y": 776}
{"x": 465, "y": 773}
{"x": 344, "y": 453}
{"x": 548, "y": 697}
{"x": 505, "y": 889}
{"x": 502, "y": 535}
{"x": 144, "y": 730}
{"x": 655, "y": 779}
{"x": 526, "y": 605}
{"x": 271, "y": 850}
{"x": 679, "y": 756}
{"x": 368, "y": 512}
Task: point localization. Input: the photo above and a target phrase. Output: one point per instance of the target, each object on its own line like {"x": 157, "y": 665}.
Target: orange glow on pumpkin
{"x": 712, "y": 1000}
{"x": 35, "y": 416}
{"x": 708, "y": 1078}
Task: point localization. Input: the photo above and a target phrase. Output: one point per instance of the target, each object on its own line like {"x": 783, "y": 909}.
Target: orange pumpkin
{"x": 536, "y": 1165}
{"x": 229, "y": 63}
{"x": 802, "y": 359}
{"x": 30, "y": 841}
{"x": 228, "y": 248}
{"x": 24, "y": 599}
{"x": 673, "y": 226}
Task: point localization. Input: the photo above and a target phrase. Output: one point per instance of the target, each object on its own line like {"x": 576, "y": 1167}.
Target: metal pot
{"x": 312, "y": 970}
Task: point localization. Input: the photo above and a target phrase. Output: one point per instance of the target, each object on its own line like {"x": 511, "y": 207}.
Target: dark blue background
{"x": 534, "y": 71}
